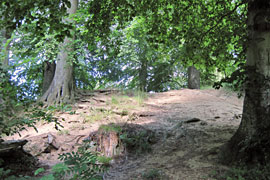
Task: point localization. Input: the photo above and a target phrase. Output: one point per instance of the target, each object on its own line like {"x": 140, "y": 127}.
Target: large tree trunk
{"x": 251, "y": 142}
{"x": 48, "y": 74}
{"x": 193, "y": 78}
{"x": 61, "y": 89}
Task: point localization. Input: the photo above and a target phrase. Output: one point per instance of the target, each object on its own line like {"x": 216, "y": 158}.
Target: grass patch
{"x": 120, "y": 99}
{"x": 128, "y": 99}
{"x": 140, "y": 97}
{"x": 97, "y": 115}
{"x": 206, "y": 87}
{"x": 111, "y": 128}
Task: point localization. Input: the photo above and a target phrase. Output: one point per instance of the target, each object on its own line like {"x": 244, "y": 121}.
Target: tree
{"x": 251, "y": 142}
{"x": 5, "y": 35}
{"x": 213, "y": 34}
{"x": 193, "y": 78}
{"x": 48, "y": 75}
{"x": 62, "y": 87}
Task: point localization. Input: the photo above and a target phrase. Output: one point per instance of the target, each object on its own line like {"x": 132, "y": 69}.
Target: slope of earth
{"x": 191, "y": 126}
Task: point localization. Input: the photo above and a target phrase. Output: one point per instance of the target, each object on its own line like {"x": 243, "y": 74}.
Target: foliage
{"x": 8, "y": 93}
{"x": 104, "y": 160}
{"x": 235, "y": 81}
{"x": 244, "y": 173}
{"x": 44, "y": 13}
{"x": 12, "y": 122}
{"x": 137, "y": 141}
{"x": 140, "y": 45}
{"x": 17, "y": 123}
{"x": 29, "y": 56}
{"x": 10, "y": 99}
{"x": 134, "y": 139}
{"x": 83, "y": 164}
{"x": 135, "y": 63}
{"x": 61, "y": 108}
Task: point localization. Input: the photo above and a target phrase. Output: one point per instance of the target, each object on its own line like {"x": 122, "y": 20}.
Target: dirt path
{"x": 191, "y": 126}
{"x": 186, "y": 151}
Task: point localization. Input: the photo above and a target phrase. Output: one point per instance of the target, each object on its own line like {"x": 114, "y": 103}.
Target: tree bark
{"x": 5, "y": 46}
{"x": 48, "y": 74}
{"x": 193, "y": 78}
{"x": 251, "y": 142}
{"x": 61, "y": 89}
{"x": 5, "y": 35}
{"x": 143, "y": 76}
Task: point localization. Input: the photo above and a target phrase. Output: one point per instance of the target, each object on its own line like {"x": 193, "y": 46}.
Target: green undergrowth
{"x": 135, "y": 139}
{"x": 83, "y": 164}
{"x": 242, "y": 172}
{"x": 137, "y": 142}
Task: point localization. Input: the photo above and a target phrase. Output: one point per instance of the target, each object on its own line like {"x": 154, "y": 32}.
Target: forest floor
{"x": 191, "y": 125}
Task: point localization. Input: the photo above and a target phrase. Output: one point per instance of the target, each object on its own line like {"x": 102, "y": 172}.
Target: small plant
{"x": 4, "y": 173}
{"x": 58, "y": 172}
{"x": 114, "y": 100}
{"x": 152, "y": 174}
{"x": 61, "y": 108}
{"x": 83, "y": 164}
{"x": 97, "y": 115}
{"x": 104, "y": 160}
{"x": 138, "y": 141}
{"x": 140, "y": 97}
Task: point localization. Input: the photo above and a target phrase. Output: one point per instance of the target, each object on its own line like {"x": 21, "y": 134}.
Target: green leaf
{"x": 59, "y": 168}
{"x": 48, "y": 177}
{"x": 38, "y": 171}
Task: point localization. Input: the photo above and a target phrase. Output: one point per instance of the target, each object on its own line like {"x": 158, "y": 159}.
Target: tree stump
{"x": 117, "y": 140}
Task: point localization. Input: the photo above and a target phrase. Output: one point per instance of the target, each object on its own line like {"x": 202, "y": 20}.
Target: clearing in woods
{"x": 191, "y": 125}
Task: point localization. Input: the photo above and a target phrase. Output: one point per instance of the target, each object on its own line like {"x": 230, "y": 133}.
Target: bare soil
{"x": 191, "y": 126}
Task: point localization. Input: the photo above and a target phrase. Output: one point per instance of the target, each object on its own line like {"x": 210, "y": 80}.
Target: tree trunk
{"x": 251, "y": 142}
{"x": 48, "y": 74}
{"x": 143, "y": 76}
{"x": 193, "y": 78}
{"x": 61, "y": 89}
{"x": 5, "y": 35}
{"x": 5, "y": 46}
